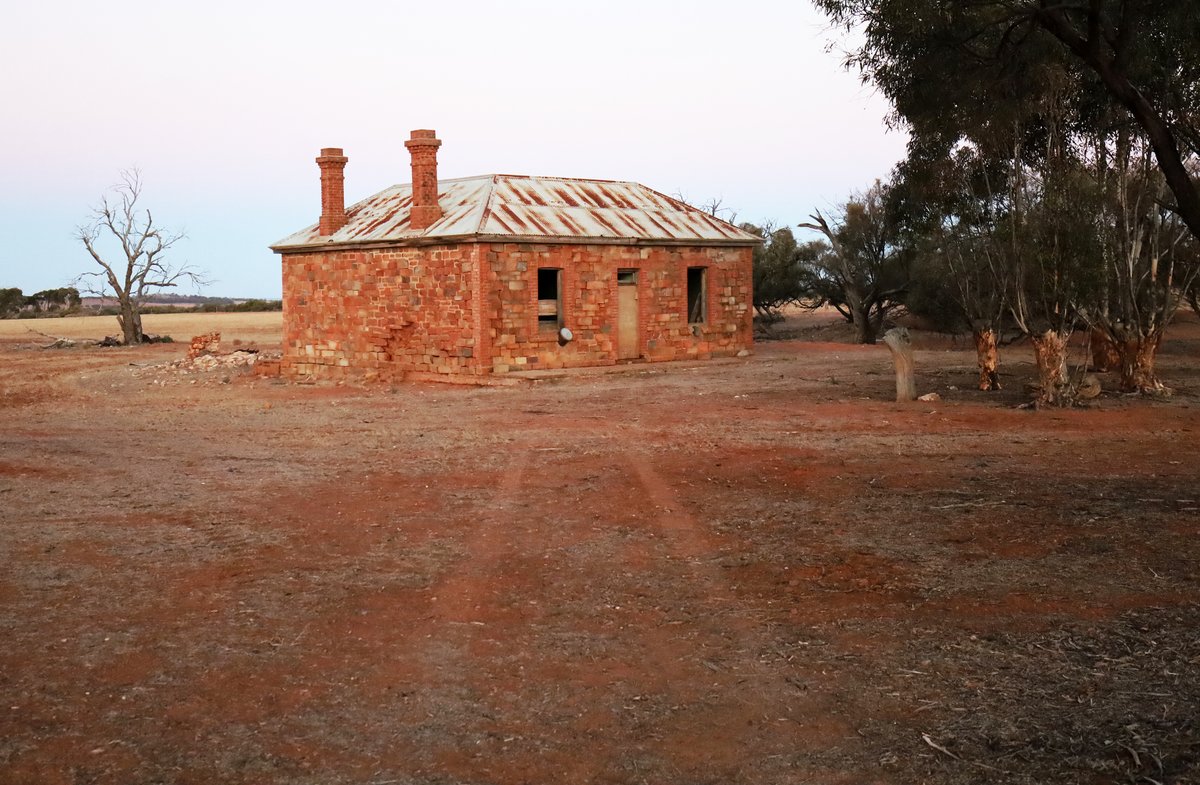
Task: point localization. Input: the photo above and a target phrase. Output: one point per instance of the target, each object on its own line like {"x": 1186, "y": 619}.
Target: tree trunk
{"x": 1050, "y": 351}
{"x": 1137, "y": 365}
{"x": 900, "y": 345}
{"x": 989, "y": 358}
{"x": 1105, "y": 355}
{"x": 131, "y": 324}
{"x": 864, "y": 330}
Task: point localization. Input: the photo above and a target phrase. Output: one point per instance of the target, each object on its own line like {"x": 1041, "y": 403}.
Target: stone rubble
{"x": 203, "y": 345}
{"x": 242, "y": 360}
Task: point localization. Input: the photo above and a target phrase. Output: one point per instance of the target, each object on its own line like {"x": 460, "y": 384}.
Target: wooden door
{"x": 627, "y": 315}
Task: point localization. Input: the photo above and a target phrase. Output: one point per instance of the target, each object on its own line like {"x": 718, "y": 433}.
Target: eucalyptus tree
{"x": 1055, "y": 269}
{"x": 1009, "y": 222}
{"x": 958, "y": 210}
{"x": 865, "y": 272}
{"x": 952, "y": 68}
{"x": 1149, "y": 256}
{"x": 11, "y": 301}
{"x": 779, "y": 269}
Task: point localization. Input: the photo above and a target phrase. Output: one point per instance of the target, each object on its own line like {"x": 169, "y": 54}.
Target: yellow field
{"x": 262, "y": 329}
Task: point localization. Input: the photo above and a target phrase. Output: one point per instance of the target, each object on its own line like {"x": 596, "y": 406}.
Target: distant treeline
{"x": 223, "y": 305}
{"x": 49, "y": 303}
{"x": 14, "y": 304}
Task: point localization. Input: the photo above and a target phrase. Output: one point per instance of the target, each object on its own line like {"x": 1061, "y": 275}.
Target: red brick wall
{"x": 589, "y": 299}
{"x": 470, "y": 309}
{"x": 383, "y": 312}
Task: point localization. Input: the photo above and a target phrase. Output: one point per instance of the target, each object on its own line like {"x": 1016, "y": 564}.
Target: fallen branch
{"x": 945, "y": 751}
{"x": 967, "y": 504}
{"x": 938, "y": 747}
{"x": 56, "y": 341}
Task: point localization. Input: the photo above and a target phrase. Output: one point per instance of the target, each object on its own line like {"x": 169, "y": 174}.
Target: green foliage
{"x": 211, "y": 305}
{"x": 1012, "y": 243}
{"x": 63, "y": 300}
{"x": 245, "y": 306}
{"x": 1150, "y": 257}
{"x": 1010, "y": 239}
{"x": 963, "y": 69}
{"x": 11, "y": 301}
{"x": 780, "y": 265}
{"x": 48, "y": 302}
{"x": 864, "y": 272}
{"x": 931, "y": 294}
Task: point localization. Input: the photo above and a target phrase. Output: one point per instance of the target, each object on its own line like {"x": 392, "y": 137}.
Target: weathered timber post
{"x": 900, "y": 345}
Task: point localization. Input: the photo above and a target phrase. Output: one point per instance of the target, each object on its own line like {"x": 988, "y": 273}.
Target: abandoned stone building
{"x": 460, "y": 279}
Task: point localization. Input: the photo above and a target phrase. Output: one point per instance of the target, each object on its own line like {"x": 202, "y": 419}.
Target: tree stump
{"x": 1050, "y": 353}
{"x": 900, "y": 345}
{"x": 1137, "y": 357}
{"x": 988, "y": 357}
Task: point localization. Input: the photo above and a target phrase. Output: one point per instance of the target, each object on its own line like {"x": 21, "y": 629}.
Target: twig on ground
{"x": 938, "y": 747}
{"x": 967, "y": 504}
{"x": 942, "y": 749}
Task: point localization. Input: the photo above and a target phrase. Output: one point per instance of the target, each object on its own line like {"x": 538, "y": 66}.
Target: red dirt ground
{"x": 753, "y": 571}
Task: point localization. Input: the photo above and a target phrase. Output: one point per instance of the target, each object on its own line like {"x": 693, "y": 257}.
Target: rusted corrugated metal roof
{"x": 502, "y": 206}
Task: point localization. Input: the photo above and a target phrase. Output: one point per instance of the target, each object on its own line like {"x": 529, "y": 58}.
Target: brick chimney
{"x": 422, "y": 146}
{"x": 333, "y": 195}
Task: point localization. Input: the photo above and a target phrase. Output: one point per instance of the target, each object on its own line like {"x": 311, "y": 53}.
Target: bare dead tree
{"x": 717, "y": 209}
{"x": 135, "y": 248}
{"x": 714, "y": 207}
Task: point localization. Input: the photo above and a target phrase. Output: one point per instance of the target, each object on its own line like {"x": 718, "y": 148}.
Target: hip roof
{"x": 502, "y": 207}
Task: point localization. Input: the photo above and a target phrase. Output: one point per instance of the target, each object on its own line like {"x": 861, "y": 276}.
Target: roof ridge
{"x": 487, "y": 203}
{"x": 570, "y": 179}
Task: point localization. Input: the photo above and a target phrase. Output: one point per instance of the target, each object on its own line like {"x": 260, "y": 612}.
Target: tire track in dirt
{"x": 452, "y": 688}
{"x": 490, "y": 692}
{"x": 686, "y": 537}
{"x": 460, "y": 597}
{"x": 674, "y": 658}
{"x": 690, "y": 660}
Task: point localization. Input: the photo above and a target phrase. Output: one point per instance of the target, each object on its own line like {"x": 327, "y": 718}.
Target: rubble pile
{"x": 204, "y": 345}
{"x": 203, "y": 357}
{"x": 208, "y": 362}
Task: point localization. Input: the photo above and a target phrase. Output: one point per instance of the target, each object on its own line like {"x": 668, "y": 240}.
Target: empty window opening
{"x": 549, "y": 299}
{"x": 697, "y": 311}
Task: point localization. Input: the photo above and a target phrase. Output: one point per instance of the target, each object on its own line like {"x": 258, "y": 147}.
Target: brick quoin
{"x": 411, "y": 306}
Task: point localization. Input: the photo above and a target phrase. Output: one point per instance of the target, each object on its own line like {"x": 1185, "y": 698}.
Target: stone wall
{"x": 464, "y": 310}
{"x": 589, "y": 299}
{"x": 381, "y": 312}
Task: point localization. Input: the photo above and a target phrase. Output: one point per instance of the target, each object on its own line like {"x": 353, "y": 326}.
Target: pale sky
{"x": 224, "y": 105}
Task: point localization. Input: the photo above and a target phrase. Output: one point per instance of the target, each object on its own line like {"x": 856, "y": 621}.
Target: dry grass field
{"x": 260, "y": 329}
{"x": 758, "y": 572}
